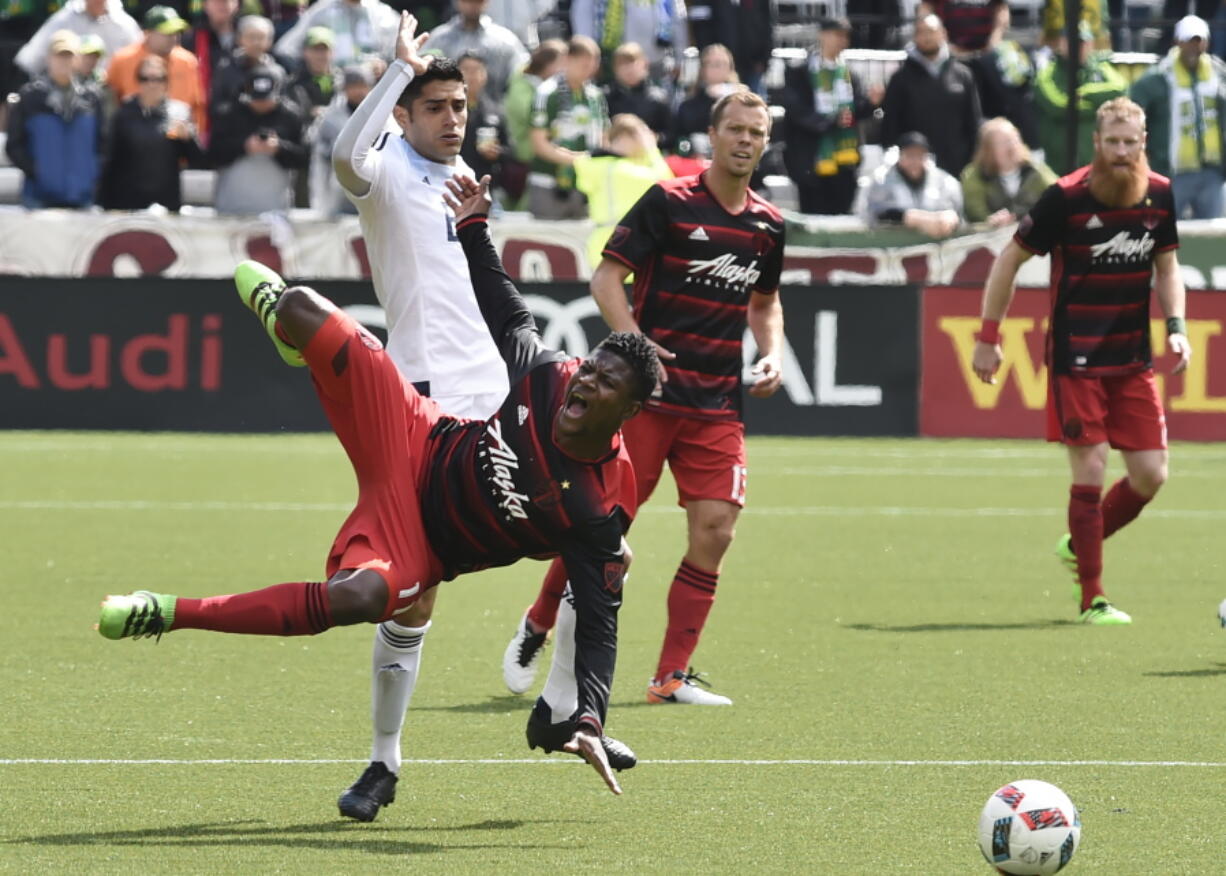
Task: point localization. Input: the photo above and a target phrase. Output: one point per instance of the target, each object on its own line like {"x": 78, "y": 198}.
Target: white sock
{"x": 394, "y": 663}
{"x": 561, "y": 690}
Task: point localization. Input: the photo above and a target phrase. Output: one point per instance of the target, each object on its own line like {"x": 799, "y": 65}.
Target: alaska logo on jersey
{"x": 726, "y": 268}
{"x": 1122, "y": 248}
{"x": 505, "y": 464}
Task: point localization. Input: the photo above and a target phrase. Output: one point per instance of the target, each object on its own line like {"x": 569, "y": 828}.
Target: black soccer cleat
{"x": 549, "y": 737}
{"x": 376, "y": 787}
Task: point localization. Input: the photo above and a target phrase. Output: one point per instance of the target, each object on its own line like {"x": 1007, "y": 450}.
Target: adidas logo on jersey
{"x": 699, "y": 233}
{"x": 1094, "y": 222}
{"x": 522, "y": 413}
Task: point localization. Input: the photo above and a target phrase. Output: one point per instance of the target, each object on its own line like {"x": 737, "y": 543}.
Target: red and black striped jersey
{"x": 1102, "y": 262}
{"x": 695, "y": 265}
{"x": 968, "y": 22}
{"x": 500, "y": 490}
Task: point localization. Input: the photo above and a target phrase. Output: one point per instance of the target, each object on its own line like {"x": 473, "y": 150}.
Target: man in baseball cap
{"x": 1184, "y": 99}
{"x": 162, "y": 26}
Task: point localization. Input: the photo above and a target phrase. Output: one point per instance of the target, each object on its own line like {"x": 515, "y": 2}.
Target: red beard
{"x": 1117, "y": 186}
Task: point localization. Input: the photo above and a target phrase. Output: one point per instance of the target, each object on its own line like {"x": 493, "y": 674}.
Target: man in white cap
{"x": 1184, "y": 97}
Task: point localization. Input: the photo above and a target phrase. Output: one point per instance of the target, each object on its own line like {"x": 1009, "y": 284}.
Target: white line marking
{"x": 493, "y": 761}
{"x": 776, "y": 511}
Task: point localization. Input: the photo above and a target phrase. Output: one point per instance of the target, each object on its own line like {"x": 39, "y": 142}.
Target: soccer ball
{"x": 1029, "y": 827}
{"x": 1221, "y": 613}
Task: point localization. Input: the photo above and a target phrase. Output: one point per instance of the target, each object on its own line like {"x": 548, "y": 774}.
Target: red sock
{"x": 298, "y": 609}
{"x": 1085, "y": 524}
{"x": 544, "y": 612}
{"x": 689, "y": 602}
{"x": 1121, "y": 506}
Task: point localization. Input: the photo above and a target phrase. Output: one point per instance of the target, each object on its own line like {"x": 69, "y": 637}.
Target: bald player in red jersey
{"x": 706, "y": 253}
{"x": 1110, "y": 229}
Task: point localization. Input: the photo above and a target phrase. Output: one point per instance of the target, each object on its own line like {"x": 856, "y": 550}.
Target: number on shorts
{"x": 740, "y": 477}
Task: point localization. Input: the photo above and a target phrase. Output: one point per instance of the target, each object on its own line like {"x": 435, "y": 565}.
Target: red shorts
{"x": 706, "y": 457}
{"x": 1124, "y": 411}
{"x": 384, "y": 426}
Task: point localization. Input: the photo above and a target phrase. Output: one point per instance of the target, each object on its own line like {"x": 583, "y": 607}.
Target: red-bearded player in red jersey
{"x": 706, "y": 253}
{"x": 1110, "y": 229}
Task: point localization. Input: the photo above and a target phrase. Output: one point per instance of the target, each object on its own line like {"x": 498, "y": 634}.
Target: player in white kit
{"x": 436, "y": 335}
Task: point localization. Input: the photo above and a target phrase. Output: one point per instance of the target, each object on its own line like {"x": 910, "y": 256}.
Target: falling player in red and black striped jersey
{"x": 706, "y": 252}
{"x": 546, "y": 475}
{"x": 1110, "y": 229}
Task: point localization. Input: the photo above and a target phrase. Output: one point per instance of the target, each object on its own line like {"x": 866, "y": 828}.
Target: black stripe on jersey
{"x": 380, "y": 142}
{"x": 692, "y": 305}
{"x": 677, "y": 341}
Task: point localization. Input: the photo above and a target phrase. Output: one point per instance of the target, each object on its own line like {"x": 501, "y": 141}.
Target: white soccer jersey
{"x": 435, "y": 331}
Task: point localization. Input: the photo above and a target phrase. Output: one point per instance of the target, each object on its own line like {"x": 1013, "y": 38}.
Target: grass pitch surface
{"x": 892, "y": 625}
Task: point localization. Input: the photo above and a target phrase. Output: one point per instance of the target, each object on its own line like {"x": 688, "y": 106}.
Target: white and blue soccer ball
{"x": 1029, "y": 827}
{"x": 1221, "y": 613}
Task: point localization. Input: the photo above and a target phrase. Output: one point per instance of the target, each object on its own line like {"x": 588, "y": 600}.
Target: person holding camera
{"x": 257, "y": 143}
{"x": 151, "y": 138}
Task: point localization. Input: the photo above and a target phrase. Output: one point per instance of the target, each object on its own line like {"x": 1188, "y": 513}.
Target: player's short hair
{"x": 640, "y": 354}
{"x": 1119, "y": 109}
{"x": 744, "y": 97}
{"x": 440, "y": 70}
{"x": 544, "y": 55}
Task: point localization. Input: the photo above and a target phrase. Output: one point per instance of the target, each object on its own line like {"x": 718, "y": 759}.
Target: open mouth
{"x": 743, "y": 155}
{"x": 576, "y": 405}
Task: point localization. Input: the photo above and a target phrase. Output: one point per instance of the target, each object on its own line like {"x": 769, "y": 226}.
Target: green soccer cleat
{"x": 1103, "y": 614}
{"x": 136, "y": 615}
{"x": 1064, "y": 553}
{"x": 260, "y": 286}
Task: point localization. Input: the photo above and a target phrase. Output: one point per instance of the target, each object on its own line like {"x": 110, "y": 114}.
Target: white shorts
{"x": 474, "y": 407}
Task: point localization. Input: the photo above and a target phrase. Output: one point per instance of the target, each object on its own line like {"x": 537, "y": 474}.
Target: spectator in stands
{"x": 151, "y": 138}
{"x": 162, "y": 28}
{"x": 254, "y": 40}
{"x": 1004, "y": 74}
{"x": 327, "y": 197}
{"x": 824, "y": 101}
{"x": 55, "y": 131}
{"x": 546, "y": 61}
{"x": 876, "y": 24}
{"x": 658, "y": 27}
{"x": 214, "y": 38}
{"x": 257, "y": 142}
{"x": 518, "y": 16}
{"x": 1004, "y": 180}
{"x": 313, "y": 87}
{"x": 613, "y": 181}
{"x": 104, "y": 18}
{"x": 934, "y": 94}
{"x": 631, "y": 91}
{"x": 1098, "y": 82}
{"x": 744, "y": 27}
{"x": 914, "y": 192}
{"x": 19, "y": 21}
{"x": 716, "y": 77}
{"x": 485, "y": 135}
{"x": 283, "y": 14}
{"x": 1184, "y": 98}
{"x": 969, "y": 23}
{"x": 89, "y": 65}
{"x": 569, "y": 117}
{"x": 473, "y": 32}
{"x": 1092, "y": 17}
{"x": 361, "y": 29}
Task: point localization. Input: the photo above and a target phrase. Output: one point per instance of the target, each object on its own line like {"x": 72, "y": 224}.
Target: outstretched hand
{"x": 468, "y": 198}
{"x": 408, "y": 45}
{"x": 587, "y": 744}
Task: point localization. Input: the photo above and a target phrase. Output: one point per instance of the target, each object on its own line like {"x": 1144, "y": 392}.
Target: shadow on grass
{"x": 325, "y": 836}
{"x": 960, "y": 627}
{"x": 1208, "y": 672}
{"x": 505, "y": 703}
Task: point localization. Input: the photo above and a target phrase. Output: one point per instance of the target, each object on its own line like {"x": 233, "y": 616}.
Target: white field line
{"x": 751, "y": 511}
{"x": 37, "y": 761}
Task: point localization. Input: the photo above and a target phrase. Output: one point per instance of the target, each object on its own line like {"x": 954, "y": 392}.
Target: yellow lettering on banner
{"x": 1031, "y": 378}
{"x": 1196, "y": 398}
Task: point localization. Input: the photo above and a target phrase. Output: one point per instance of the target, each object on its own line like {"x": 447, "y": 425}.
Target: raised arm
{"x": 353, "y": 145}
{"x": 502, "y": 307}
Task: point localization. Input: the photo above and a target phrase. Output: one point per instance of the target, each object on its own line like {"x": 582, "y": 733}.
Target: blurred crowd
{"x": 577, "y": 106}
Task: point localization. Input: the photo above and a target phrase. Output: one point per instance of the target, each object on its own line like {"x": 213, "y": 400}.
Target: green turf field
{"x": 892, "y": 625}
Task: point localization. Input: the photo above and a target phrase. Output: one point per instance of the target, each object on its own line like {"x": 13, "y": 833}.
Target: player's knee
{"x": 715, "y": 536}
{"x": 1149, "y": 480}
{"x": 358, "y": 598}
{"x": 297, "y": 301}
